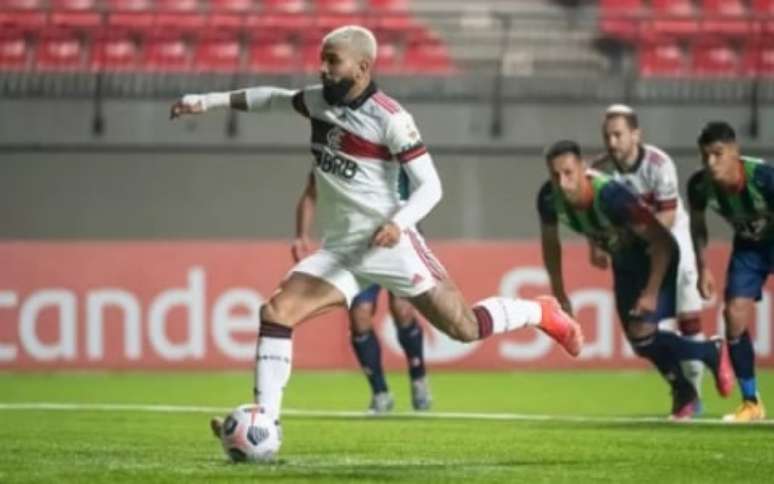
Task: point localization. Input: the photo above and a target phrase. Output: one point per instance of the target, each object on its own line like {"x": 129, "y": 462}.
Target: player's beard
{"x": 334, "y": 92}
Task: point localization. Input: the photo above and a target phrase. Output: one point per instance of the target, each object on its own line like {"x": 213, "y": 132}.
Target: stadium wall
{"x": 195, "y": 305}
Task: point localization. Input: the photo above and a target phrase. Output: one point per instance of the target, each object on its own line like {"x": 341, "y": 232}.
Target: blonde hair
{"x": 359, "y": 38}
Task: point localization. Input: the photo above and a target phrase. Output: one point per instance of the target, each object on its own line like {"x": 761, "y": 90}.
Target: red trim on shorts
{"x": 664, "y": 205}
{"x": 436, "y": 270}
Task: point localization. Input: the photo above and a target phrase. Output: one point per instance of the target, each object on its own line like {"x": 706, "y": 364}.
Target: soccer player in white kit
{"x": 651, "y": 174}
{"x": 360, "y": 139}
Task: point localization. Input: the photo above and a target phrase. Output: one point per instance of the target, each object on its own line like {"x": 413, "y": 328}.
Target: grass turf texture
{"x": 133, "y": 446}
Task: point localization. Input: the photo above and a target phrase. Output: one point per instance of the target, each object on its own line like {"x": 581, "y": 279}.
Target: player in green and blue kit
{"x": 645, "y": 258}
{"x": 741, "y": 190}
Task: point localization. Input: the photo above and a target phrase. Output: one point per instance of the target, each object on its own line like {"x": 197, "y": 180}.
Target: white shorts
{"x": 689, "y": 300}
{"x": 406, "y": 270}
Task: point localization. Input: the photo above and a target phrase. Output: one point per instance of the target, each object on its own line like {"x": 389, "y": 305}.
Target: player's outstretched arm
{"x": 552, "y": 260}
{"x": 305, "y": 210}
{"x": 262, "y": 98}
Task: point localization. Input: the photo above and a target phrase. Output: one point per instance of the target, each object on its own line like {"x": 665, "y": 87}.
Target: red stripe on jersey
{"x": 411, "y": 153}
{"x": 663, "y": 205}
{"x": 386, "y": 102}
{"x": 354, "y": 145}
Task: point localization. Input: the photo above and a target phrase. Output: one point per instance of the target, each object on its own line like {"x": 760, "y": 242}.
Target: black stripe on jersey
{"x": 299, "y": 105}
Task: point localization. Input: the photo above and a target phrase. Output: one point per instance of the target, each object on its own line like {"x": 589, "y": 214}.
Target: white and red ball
{"x": 249, "y": 435}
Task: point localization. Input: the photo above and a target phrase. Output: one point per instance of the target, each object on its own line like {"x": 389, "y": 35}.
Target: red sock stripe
{"x": 689, "y": 326}
{"x": 484, "y": 319}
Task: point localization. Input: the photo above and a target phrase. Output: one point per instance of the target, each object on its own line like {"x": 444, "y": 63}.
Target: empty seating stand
{"x": 199, "y": 36}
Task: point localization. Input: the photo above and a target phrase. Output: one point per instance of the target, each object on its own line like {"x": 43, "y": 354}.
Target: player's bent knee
{"x": 637, "y": 331}
{"x": 737, "y": 314}
{"x": 277, "y": 313}
{"x": 402, "y": 312}
{"x": 361, "y": 319}
{"x": 463, "y": 333}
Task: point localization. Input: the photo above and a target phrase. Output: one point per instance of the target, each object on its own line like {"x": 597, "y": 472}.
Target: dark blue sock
{"x": 665, "y": 361}
{"x": 369, "y": 355}
{"x": 685, "y": 349}
{"x": 410, "y": 338}
{"x": 743, "y": 361}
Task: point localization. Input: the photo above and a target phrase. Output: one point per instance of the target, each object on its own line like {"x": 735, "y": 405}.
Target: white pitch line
{"x": 290, "y": 412}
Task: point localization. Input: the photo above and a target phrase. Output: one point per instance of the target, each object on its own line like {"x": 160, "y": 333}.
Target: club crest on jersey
{"x": 335, "y": 137}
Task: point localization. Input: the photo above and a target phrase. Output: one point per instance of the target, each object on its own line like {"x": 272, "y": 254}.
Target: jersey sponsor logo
{"x": 334, "y": 138}
{"x": 335, "y": 165}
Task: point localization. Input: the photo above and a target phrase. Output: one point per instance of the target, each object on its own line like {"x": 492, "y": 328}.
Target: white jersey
{"x": 358, "y": 150}
{"x": 654, "y": 179}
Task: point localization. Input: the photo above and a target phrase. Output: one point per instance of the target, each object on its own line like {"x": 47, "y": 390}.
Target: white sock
{"x": 511, "y": 314}
{"x": 273, "y": 363}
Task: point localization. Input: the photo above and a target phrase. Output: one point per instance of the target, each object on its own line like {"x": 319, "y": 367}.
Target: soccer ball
{"x": 249, "y": 435}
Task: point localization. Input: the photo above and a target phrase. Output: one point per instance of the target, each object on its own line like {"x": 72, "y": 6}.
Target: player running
{"x": 644, "y": 259}
{"x": 360, "y": 140}
{"x": 364, "y": 341}
{"x": 651, "y": 174}
{"x": 741, "y": 190}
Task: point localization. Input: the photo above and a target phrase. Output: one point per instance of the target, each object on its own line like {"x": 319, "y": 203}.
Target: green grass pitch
{"x": 620, "y": 441}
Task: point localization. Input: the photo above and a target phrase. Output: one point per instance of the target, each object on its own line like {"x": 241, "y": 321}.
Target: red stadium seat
{"x": 184, "y": 22}
{"x": 673, "y": 18}
{"x": 29, "y": 21}
{"x": 389, "y": 5}
{"x": 388, "y": 60}
{"x": 14, "y": 51}
{"x": 395, "y": 27}
{"x": 225, "y": 22}
{"x": 178, "y": 5}
{"x": 288, "y": 6}
{"x": 421, "y": 58}
{"x": 217, "y": 53}
{"x": 166, "y": 53}
{"x": 114, "y": 53}
{"x": 273, "y": 58}
{"x": 231, "y": 5}
{"x": 620, "y": 18}
{"x": 340, "y": 6}
{"x": 135, "y": 21}
{"x": 81, "y": 20}
{"x": 714, "y": 59}
{"x": 279, "y": 27}
{"x": 59, "y": 51}
{"x": 765, "y": 7}
{"x": 661, "y": 59}
{"x": 73, "y": 4}
{"x": 758, "y": 59}
{"x": 22, "y": 4}
{"x": 725, "y": 17}
{"x": 131, "y": 5}
{"x": 310, "y": 54}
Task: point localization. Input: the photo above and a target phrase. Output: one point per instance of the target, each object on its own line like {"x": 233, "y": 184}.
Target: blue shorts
{"x": 369, "y": 295}
{"x": 749, "y": 266}
{"x": 628, "y": 282}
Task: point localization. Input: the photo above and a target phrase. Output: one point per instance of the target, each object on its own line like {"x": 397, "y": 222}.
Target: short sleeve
{"x": 665, "y": 190}
{"x": 764, "y": 181}
{"x": 545, "y": 205}
{"x": 622, "y": 206}
{"x": 299, "y": 105}
{"x": 697, "y": 197}
{"x": 403, "y": 139}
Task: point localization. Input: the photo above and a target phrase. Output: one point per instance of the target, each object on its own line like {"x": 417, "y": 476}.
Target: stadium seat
{"x": 86, "y": 5}
{"x": 168, "y": 53}
{"x": 231, "y": 5}
{"x": 714, "y": 59}
{"x": 14, "y": 51}
{"x": 725, "y": 17}
{"x": 310, "y": 55}
{"x": 114, "y": 53}
{"x": 136, "y": 21}
{"x": 765, "y": 7}
{"x": 423, "y": 58}
{"x": 77, "y": 20}
{"x": 28, "y": 21}
{"x": 288, "y": 6}
{"x": 217, "y": 53}
{"x": 273, "y": 58}
{"x": 229, "y": 22}
{"x": 661, "y": 59}
{"x": 395, "y": 27}
{"x": 758, "y": 59}
{"x": 182, "y": 22}
{"x": 59, "y": 51}
{"x": 177, "y": 5}
{"x": 279, "y": 27}
{"x": 673, "y": 18}
{"x": 620, "y": 18}
{"x": 22, "y": 4}
{"x": 130, "y": 5}
{"x": 388, "y": 60}
{"x": 337, "y": 6}
{"x": 388, "y": 5}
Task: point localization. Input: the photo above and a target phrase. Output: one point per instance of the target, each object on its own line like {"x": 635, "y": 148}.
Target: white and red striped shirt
{"x": 358, "y": 149}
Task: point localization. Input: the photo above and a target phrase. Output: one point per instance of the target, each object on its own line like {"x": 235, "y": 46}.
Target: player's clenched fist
{"x": 188, "y": 104}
